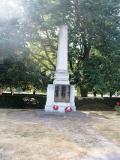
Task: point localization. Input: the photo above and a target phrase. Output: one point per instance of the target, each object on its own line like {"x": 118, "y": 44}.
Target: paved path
{"x": 78, "y": 128}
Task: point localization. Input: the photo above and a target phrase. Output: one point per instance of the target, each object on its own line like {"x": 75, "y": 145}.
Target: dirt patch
{"x": 36, "y": 135}
{"x": 107, "y": 124}
{"x": 27, "y": 139}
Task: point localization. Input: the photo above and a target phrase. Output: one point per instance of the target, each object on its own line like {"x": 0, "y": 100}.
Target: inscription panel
{"x": 62, "y": 93}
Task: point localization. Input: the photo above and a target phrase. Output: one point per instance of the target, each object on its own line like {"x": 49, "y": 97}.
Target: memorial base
{"x": 52, "y": 106}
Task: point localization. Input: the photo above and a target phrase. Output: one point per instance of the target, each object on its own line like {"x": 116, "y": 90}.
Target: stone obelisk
{"x": 61, "y": 74}
{"x": 60, "y": 94}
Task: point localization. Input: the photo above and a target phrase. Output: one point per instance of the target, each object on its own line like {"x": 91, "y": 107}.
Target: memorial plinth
{"x": 60, "y": 94}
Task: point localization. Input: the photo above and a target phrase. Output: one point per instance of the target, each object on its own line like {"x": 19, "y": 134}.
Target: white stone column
{"x": 61, "y": 74}
{"x": 62, "y": 55}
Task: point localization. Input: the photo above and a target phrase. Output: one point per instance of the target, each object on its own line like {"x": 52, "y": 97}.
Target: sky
{"x": 10, "y": 9}
{"x": 13, "y": 12}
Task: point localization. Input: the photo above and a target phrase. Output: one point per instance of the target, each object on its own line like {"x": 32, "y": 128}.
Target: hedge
{"x": 38, "y": 101}
{"x": 100, "y": 104}
{"x": 22, "y": 101}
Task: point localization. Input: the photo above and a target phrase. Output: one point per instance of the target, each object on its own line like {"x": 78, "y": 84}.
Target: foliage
{"x": 99, "y": 74}
{"x": 22, "y": 73}
{"x": 94, "y": 44}
{"x": 94, "y": 26}
{"x": 92, "y": 74}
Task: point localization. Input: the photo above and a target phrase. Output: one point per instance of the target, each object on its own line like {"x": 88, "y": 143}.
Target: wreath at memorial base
{"x": 68, "y": 109}
{"x": 55, "y": 107}
{"x": 117, "y": 107}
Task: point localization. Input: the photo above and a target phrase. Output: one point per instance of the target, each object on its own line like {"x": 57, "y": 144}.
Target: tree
{"x": 37, "y": 77}
{"x": 112, "y": 74}
{"x": 40, "y": 35}
{"x": 92, "y": 25}
{"x": 6, "y": 78}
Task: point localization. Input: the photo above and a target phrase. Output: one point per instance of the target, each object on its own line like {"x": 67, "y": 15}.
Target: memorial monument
{"x": 60, "y": 94}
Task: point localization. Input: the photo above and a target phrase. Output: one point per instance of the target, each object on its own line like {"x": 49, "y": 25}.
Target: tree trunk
{"x": 94, "y": 93}
{"x": 101, "y": 94}
{"x": 78, "y": 91}
{"x": 111, "y": 94}
{"x": 86, "y": 52}
{"x": 11, "y": 90}
{"x": 84, "y": 92}
{"x": 34, "y": 91}
{"x": 0, "y": 91}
